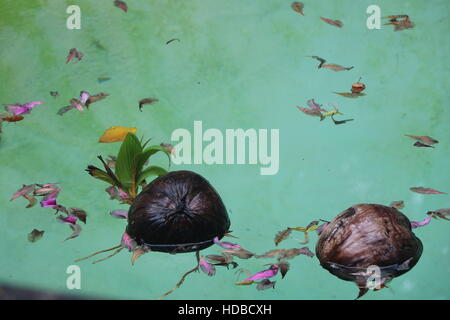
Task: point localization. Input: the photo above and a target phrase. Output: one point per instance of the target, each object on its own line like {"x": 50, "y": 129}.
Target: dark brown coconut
{"x": 177, "y": 212}
{"x": 368, "y": 235}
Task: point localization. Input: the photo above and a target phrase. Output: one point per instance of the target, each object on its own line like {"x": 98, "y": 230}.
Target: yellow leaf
{"x": 116, "y": 134}
{"x": 244, "y": 283}
{"x": 312, "y": 228}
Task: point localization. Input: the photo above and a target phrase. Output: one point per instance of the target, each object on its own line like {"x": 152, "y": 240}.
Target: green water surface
{"x": 239, "y": 64}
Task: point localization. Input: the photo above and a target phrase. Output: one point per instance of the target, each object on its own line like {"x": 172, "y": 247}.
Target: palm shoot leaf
{"x": 150, "y": 171}
{"x": 126, "y": 163}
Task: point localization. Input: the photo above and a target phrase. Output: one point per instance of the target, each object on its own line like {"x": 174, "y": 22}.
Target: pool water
{"x": 237, "y": 64}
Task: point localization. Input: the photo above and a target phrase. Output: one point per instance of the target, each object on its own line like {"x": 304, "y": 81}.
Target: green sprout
{"x": 130, "y": 172}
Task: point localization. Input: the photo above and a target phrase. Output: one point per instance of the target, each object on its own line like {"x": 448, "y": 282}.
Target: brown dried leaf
{"x": 282, "y": 235}
{"x": 35, "y": 235}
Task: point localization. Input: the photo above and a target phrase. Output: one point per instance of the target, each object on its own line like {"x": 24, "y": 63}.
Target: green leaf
{"x": 150, "y": 171}
{"x": 126, "y": 163}
{"x": 147, "y": 153}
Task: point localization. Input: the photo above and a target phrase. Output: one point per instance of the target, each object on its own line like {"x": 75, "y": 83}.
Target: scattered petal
{"x": 311, "y": 112}
{"x": 76, "y": 228}
{"x": 84, "y": 96}
{"x": 26, "y": 189}
{"x": 119, "y": 214}
{"x": 49, "y": 203}
{"x": 128, "y": 242}
{"x": 68, "y": 220}
{"x": 79, "y": 214}
{"x": 424, "y": 222}
{"x": 269, "y": 273}
{"x": 206, "y": 267}
{"x": 226, "y": 245}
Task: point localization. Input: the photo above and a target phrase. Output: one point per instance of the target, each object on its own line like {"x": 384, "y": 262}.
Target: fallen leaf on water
{"x": 103, "y": 79}
{"x": 282, "y": 254}
{"x": 311, "y": 112}
{"x": 32, "y": 200}
{"x": 172, "y": 40}
{"x": 298, "y": 7}
{"x": 421, "y": 145}
{"x": 424, "y": 139}
{"x": 116, "y": 134}
{"x": 74, "y": 53}
{"x": 137, "y": 253}
{"x": 351, "y": 94}
{"x": 241, "y": 253}
{"x": 282, "y": 235}
{"x": 426, "y": 190}
{"x": 146, "y": 101}
{"x": 35, "y": 235}
{"x": 332, "y": 22}
{"x": 397, "y": 204}
{"x": 399, "y": 25}
{"x": 284, "y": 268}
{"x": 336, "y": 67}
{"x": 121, "y": 5}
{"x": 76, "y": 228}
{"x": 441, "y": 213}
{"x": 265, "y": 284}
{"x": 95, "y": 98}
{"x": 337, "y": 122}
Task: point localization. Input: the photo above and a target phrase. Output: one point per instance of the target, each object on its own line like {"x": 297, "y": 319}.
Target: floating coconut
{"x": 366, "y": 237}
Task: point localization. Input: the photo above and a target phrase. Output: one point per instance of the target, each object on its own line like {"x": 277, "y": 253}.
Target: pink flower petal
{"x": 122, "y": 194}
{"x": 269, "y": 273}
{"x": 49, "y": 203}
{"x": 79, "y": 107}
{"x": 424, "y": 222}
{"x": 17, "y": 109}
{"x": 32, "y": 104}
{"x": 69, "y": 219}
{"x": 128, "y": 242}
{"x": 206, "y": 267}
{"x": 84, "y": 96}
{"x": 226, "y": 245}
{"x": 120, "y": 214}
{"x": 22, "y": 191}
